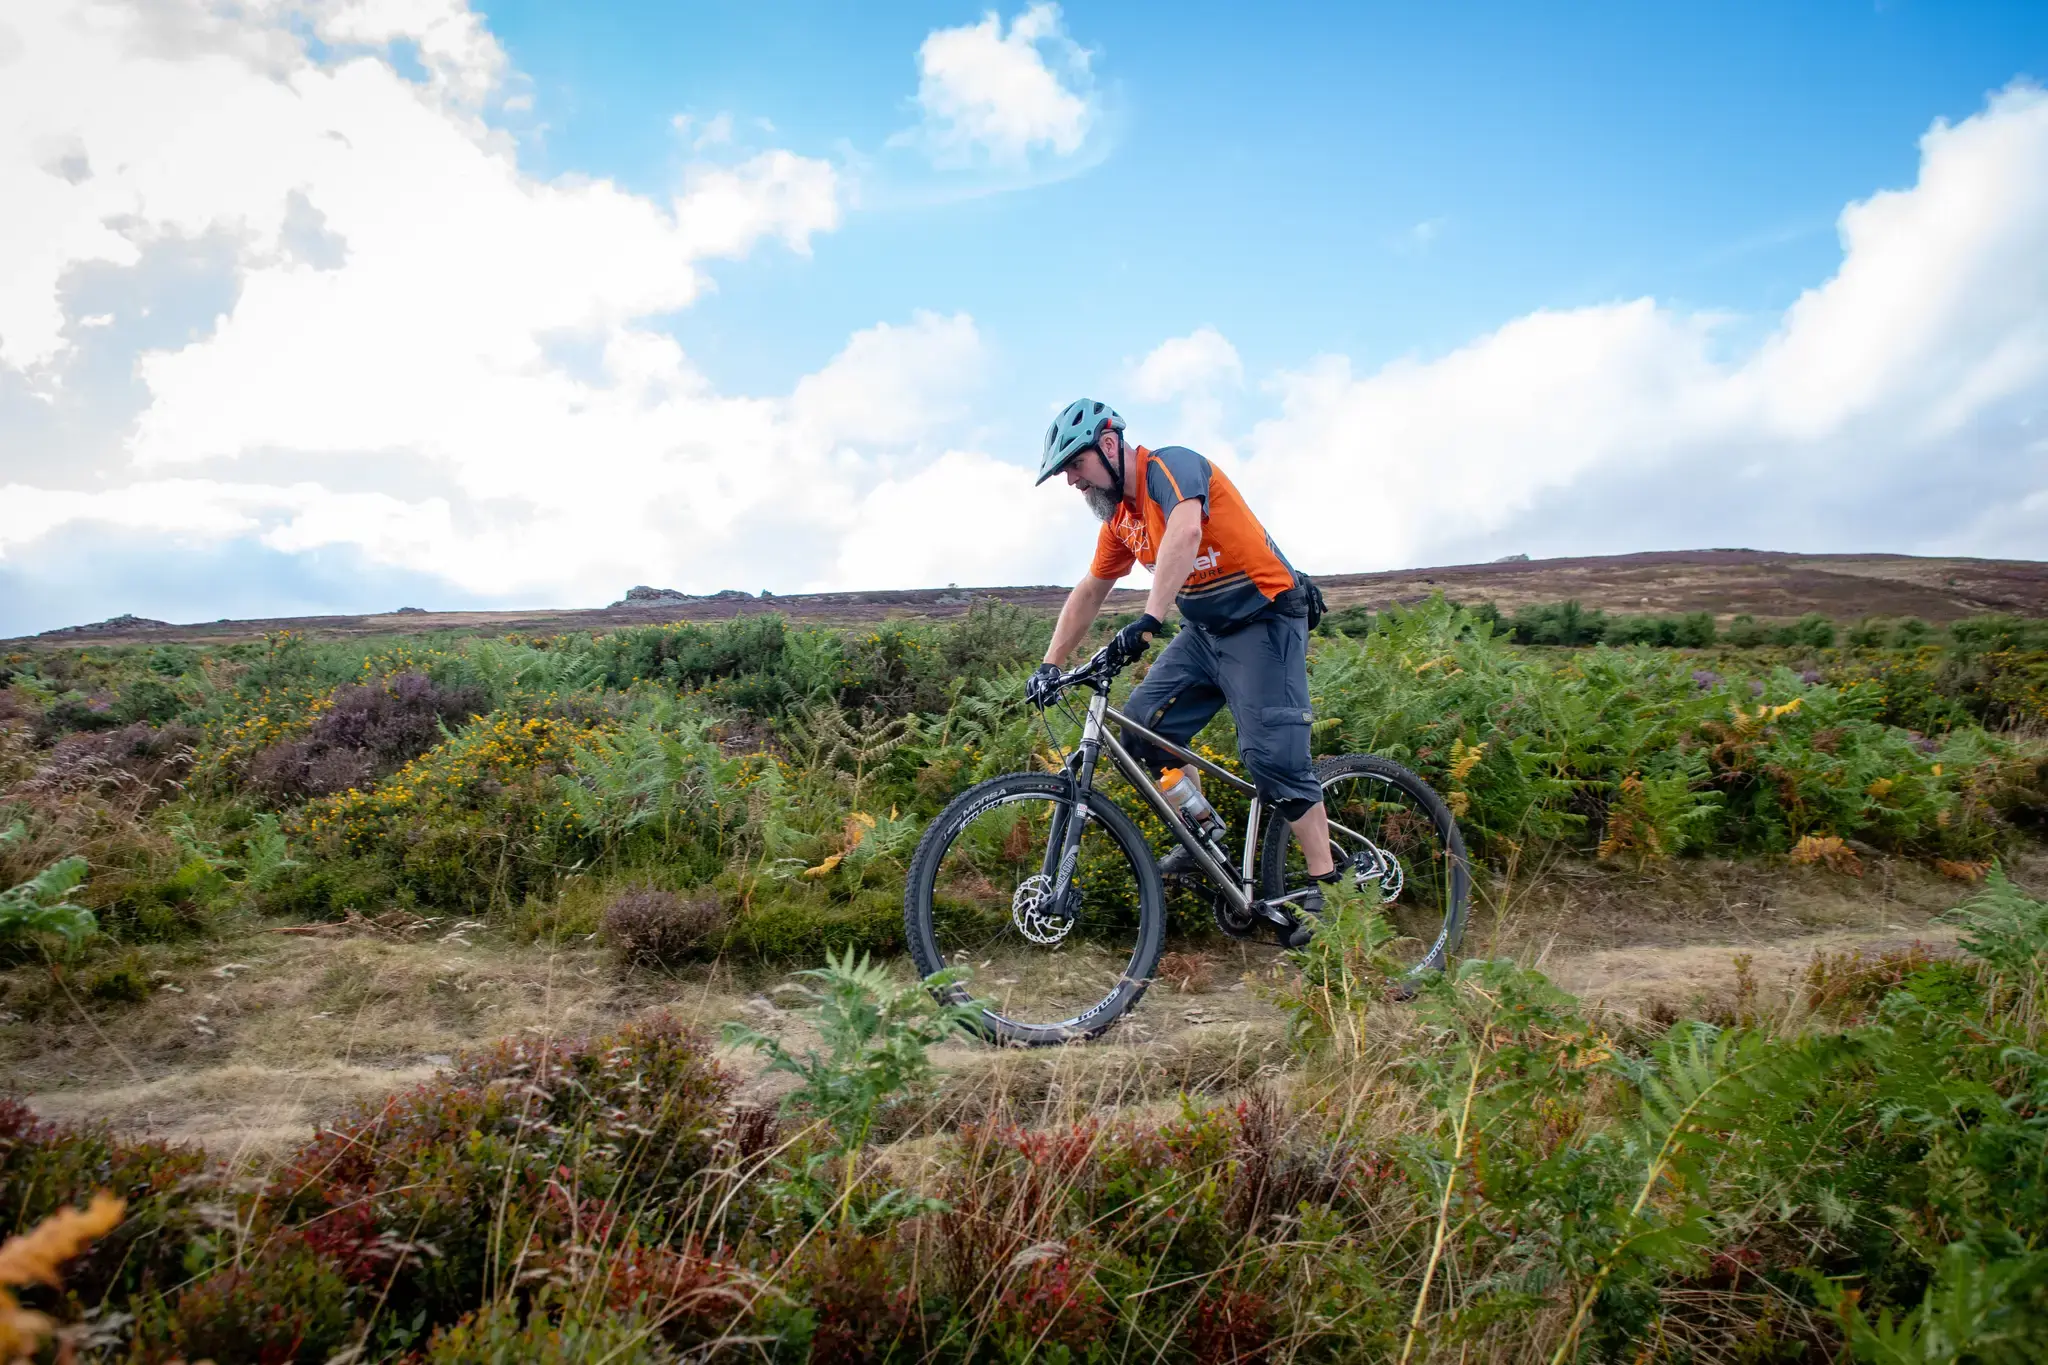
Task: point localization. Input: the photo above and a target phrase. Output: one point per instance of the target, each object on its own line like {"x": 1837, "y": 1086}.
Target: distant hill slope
{"x": 1725, "y": 582}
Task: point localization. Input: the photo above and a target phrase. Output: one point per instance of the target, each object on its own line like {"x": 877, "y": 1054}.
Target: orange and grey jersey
{"x": 1238, "y": 569}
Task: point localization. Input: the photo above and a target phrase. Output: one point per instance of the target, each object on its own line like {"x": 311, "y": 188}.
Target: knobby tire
{"x": 920, "y": 908}
{"x": 1277, "y": 839}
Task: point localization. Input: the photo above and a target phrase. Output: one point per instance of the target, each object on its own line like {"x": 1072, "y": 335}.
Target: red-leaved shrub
{"x": 289, "y": 1307}
{"x": 513, "y": 1144}
{"x": 1232, "y": 1327}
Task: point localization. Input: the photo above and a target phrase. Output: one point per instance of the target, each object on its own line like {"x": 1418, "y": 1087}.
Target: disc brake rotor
{"x": 1029, "y": 911}
{"x": 1384, "y": 868}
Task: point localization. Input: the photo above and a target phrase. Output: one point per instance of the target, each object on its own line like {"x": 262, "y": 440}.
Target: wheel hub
{"x": 1031, "y": 911}
{"x": 1374, "y": 863}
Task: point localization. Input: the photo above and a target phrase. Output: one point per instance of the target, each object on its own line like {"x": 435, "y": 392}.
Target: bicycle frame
{"x": 1063, "y": 846}
{"x": 1080, "y": 768}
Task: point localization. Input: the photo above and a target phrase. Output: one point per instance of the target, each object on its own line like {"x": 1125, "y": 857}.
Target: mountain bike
{"x": 1047, "y": 892}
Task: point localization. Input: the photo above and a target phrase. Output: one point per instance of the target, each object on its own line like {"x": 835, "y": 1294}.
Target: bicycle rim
{"x": 1409, "y": 840}
{"x": 1047, "y": 973}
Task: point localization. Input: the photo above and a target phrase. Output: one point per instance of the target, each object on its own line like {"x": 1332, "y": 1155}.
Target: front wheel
{"x": 1404, "y": 844}
{"x": 979, "y": 897}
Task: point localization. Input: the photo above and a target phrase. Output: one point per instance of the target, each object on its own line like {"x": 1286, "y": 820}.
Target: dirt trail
{"x": 246, "y": 1044}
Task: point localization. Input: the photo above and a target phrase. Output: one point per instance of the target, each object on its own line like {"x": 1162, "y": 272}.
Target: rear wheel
{"x": 1389, "y": 822}
{"x": 979, "y": 897}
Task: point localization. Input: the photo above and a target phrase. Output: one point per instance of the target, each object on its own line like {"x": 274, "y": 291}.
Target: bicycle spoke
{"x": 1038, "y": 963}
{"x": 1395, "y": 844}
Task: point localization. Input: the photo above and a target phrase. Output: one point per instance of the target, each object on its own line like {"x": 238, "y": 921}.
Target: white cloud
{"x": 1891, "y": 407}
{"x": 893, "y": 386}
{"x": 1180, "y": 366}
{"x": 404, "y": 298}
{"x": 966, "y": 519}
{"x": 727, "y": 209}
{"x": 449, "y": 39}
{"x": 1197, "y": 373}
{"x": 991, "y": 95}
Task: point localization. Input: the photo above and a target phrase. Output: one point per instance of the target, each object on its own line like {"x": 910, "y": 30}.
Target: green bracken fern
{"x": 42, "y": 904}
{"x": 876, "y": 1032}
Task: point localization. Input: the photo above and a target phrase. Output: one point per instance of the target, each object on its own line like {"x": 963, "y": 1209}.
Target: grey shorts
{"x": 1261, "y": 672}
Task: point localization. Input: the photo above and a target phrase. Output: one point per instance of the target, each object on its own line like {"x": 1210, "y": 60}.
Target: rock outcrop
{"x": 113, "y": 625}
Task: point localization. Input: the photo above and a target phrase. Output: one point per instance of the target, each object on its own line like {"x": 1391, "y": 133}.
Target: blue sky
{"x": 529, "y": 302}
{"x": 1372, "y": 179}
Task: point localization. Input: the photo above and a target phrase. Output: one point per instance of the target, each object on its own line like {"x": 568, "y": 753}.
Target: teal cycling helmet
{"x": 1075, "y": 430}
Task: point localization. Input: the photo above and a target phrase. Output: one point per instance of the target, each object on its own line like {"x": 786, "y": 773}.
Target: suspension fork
{"x": 1070, "y": 819}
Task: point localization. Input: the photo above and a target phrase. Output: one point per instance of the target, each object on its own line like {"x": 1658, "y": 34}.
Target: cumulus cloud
{"x": 1197, "y": 373}
{"x": 391, "y": 342}
{"x": 1179, "y": 366}
{"x": 778, "y": 194}
{"x": 991, "y": 94}
{"x": 1902, "y": 404}
{"x": 964, "y": 518}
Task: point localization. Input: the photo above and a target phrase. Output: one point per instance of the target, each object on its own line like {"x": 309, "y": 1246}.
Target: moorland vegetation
{"x": 1492, "y": 1172}
{"x": 779, "y": 775}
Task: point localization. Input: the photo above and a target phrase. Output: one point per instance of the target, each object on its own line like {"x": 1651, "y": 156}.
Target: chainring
{"x": 1230, "y": 920}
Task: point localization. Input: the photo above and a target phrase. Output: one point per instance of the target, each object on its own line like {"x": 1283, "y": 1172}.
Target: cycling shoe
{"x": 1302, "y": 915}
{"x": 1180, "y": 865}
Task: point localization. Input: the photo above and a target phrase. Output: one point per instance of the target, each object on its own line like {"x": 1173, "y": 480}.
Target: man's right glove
{"x": 1130, "y": 643}
{"x": 1038, "y": 689}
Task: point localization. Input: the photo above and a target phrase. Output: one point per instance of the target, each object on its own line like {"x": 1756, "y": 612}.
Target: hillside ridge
{"x": 1763, "y": 583}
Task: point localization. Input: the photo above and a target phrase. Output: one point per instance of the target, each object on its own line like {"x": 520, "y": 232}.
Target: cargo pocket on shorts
{"x": 1280, "y": 756}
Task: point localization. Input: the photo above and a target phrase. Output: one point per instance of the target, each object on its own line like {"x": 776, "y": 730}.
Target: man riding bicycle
{"x": 1246, "y": 645}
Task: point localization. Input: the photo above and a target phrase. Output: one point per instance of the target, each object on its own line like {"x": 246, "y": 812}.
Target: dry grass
{"x": 243, "y": 1046}
{"x": 248, "y": 1042}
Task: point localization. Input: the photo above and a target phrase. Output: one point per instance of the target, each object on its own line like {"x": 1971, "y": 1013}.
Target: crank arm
{"x": 1269, "y": 910}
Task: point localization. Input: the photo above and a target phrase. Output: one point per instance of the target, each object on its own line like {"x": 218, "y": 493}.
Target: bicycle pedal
{"x": 1273, "y": 911}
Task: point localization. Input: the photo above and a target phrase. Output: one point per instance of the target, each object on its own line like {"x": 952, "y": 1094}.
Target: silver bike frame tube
{"x": 1178, "y": 751}
{"x": 1251, "y": 824}
{"x": 1251, "y": 838}
{"x": 1229, "y": 886}
{"x": 1060, "y": 863}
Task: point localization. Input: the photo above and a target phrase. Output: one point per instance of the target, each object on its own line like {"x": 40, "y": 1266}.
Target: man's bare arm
{"x": 1084, "y": 604}
{"x": 1177, "y": 550}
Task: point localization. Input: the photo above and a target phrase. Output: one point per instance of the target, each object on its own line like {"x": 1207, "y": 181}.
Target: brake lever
{"x": 1086, "y": 674}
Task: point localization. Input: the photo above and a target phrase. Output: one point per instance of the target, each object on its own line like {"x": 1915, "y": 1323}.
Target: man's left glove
{"x": 1038, "y": 688}
{"x": 1130, "y": 643}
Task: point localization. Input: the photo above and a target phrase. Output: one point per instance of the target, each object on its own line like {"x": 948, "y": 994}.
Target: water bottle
{"x": 1183, "y": 787}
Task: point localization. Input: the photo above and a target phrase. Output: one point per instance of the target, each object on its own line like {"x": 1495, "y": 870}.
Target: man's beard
{"x": 1101, "y": 502}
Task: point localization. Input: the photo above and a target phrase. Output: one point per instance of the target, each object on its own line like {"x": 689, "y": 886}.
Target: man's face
{"x": 1090, "y": 473}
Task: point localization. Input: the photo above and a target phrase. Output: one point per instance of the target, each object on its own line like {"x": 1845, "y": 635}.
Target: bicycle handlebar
{"x": 1095, "y": 673}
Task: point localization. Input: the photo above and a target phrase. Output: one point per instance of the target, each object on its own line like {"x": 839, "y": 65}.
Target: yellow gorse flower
{"x": 458, "y": 774}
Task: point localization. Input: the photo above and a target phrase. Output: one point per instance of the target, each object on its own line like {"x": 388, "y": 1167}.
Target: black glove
{"x": 1038, "y": 689}
{"x": 1130, "y": 643}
